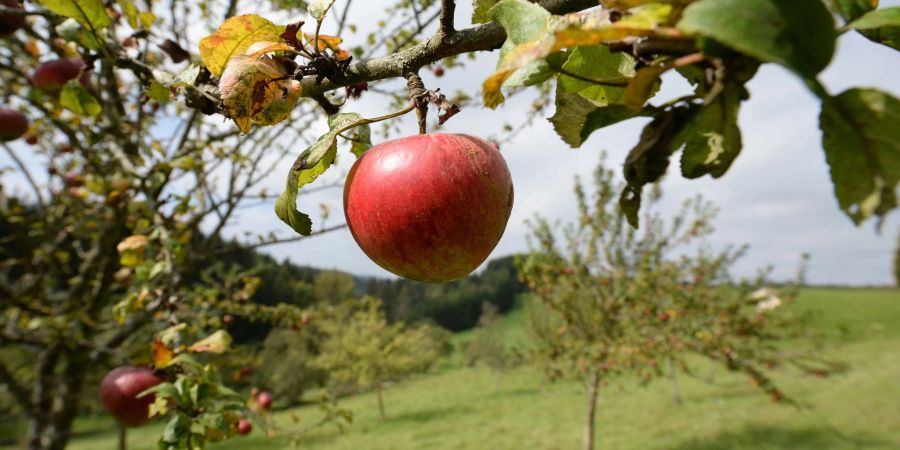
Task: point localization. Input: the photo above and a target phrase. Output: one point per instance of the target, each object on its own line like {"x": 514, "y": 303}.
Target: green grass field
{"x": 456, "y": 407}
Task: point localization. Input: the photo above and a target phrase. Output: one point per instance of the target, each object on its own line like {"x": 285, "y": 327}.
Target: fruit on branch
{"x": 10, "y": 23}
{"x": 51, "y": 76}
{"x": 244, "y": 427}
{"x": 119, "y": 392}
{"x": 429, "y": 207}
{"x": 438, "y": 71}
{"x": 264, "y": 400}
{"x": 13, "y": 124}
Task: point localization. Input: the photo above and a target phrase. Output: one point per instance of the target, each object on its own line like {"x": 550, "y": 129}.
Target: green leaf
{"x": 306, "y": 168}
{"x": 130, "y": 11}
{"x": 481, "y": 12}
{"x": 90, "y": 13}
{"x": 234, "y": 37}
{"x": 71, "y": 30}
{"x": 77, "y": 99}
{"x": 648, "y": 161}
{"x": 850, "y": 10}
{"x": 360, "y": 140}
{"x": 318, "y": 8}
{"x": 158, "y": 92}
{"x": 882, "y": 26}
{"x": 712, "y": 138}
{"x": 861, "y": 137}
{"x": 577, "y": 117}
{"x": 597, "y": 71}
{"x": 176, "y": 429}
{"x": 798, "y": 34}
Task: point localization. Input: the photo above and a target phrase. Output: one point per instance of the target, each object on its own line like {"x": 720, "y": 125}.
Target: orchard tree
{"x": 617, "y": 300}
{"x": 488, "y": 344}
{"x": 362, "y": 350}
{"x": 132, "y": 177}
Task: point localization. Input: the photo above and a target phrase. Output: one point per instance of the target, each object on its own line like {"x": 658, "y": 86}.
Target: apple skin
{"x": 13, "y": 124}
{"x": 264, "y": 399}
{"x": 119, "y": 390}
{"x": 51, "y": 76}
{"x": 429, "y": 207}
{"x": 244, "y": 427}
{"x": 9, "y": 24}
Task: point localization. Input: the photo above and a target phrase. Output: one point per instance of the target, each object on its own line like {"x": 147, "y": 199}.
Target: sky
{"x": 777, "y": 198}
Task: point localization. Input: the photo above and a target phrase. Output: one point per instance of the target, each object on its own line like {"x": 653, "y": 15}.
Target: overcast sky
{"x": 777, "y": 197}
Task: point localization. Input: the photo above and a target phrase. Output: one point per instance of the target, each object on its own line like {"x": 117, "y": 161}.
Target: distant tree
{"x": 488, "y": 344}
{"x": 618, "y": 300}
{"x": 332, "y": 286}
{"x": 363, "y": 350}
{"x": 286, "y": 362}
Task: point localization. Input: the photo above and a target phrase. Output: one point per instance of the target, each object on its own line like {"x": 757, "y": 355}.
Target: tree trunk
{"x": 593, "y": 385}
{"x": 676, "y": 389}
{"x": 56, "y": 397}
{"x": 123, "y": 442}
{"x": 712, "y": 372}
{"x": 380, "y": 402}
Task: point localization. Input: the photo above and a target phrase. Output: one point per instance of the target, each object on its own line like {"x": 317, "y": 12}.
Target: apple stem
{"x": 351, "y": 125}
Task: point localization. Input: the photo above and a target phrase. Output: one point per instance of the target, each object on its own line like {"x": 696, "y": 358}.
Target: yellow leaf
{"x": 234, "y": 37}
{"x": 217, "y": 342}
{"x": 162, "y": 355}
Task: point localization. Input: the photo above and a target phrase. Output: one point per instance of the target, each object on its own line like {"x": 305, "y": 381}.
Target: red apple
{"x": 13, "y": 124}
{"x": 51, "y": 76}
{"x": 8, "y": 22}
{"x": 264, "y": 399}
{"x": 429, "y": 207}
{"x": 119, "y": 394}
{"x": 244, "y": 427}
{"x": 438, "y": 71}
{"x": 254, "y": 392}
{"x": 227, "y": 319}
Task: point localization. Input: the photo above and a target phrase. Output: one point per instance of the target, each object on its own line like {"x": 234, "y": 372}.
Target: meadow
{"x": 456, "y": 407}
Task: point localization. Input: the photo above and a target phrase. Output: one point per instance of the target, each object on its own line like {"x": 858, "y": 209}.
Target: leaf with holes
{"x": 249, "y": 86}
{"x": 712, "y": 138}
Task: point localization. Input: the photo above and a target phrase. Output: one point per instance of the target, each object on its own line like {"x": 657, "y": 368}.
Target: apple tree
{"x": 363, "y": 350}
{"x": 124, "y": 178}
{"x": 617, "y": 300}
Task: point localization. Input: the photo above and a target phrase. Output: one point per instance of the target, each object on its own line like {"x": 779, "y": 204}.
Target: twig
{"x": 26, "y": 174}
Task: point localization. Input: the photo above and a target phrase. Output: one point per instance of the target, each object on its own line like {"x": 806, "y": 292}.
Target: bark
{"x": 593, "y": 387}
{"x": 443, "y": 44}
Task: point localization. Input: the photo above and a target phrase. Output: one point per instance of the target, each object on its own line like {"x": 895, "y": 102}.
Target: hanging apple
{"x": 13, "y": 124}
{"x": 429, "y": 207}
{"x": 119, "y": 392}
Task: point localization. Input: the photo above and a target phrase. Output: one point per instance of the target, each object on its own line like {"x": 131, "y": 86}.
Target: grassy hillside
{"x": 458, "y": 407}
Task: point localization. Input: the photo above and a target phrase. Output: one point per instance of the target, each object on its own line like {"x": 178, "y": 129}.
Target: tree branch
{"x": 448, "y": 8}
{"x": 20, "y": 392}
{"x": 478, "y": 38}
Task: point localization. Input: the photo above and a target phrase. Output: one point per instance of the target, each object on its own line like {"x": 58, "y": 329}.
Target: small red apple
{"x": 10, "y": 23}
{"x": 664, "y": 316}
{"x": 438, "y": 71}
{"x": 429, "y": 207}
{"x": 13, "y": 124}
{"x": 51, "y": 76}
{"x": 227, "y": 319}
{"x": 244, "y": 427}
{"x": 119, "y": 394}
{"x": 264, "y": 400}
{"x": 254, "y": 392}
